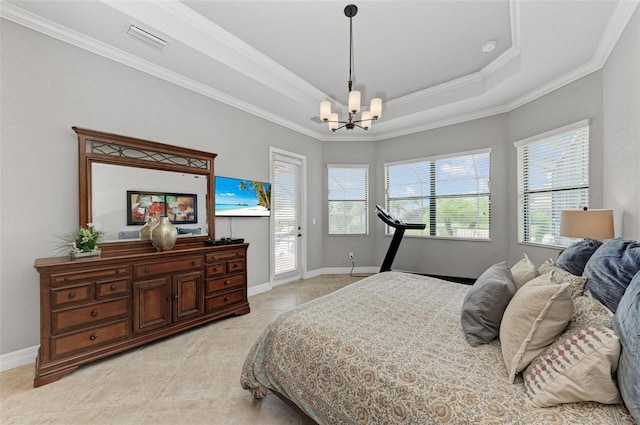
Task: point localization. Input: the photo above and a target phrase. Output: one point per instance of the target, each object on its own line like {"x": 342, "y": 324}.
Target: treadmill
{"x": 398, "y": 234}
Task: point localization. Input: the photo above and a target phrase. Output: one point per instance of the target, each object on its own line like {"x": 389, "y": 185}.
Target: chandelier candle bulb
{"x": 333, "y": 122}
{"x": 354, "y": 101}
{"x": 366, "y": 120}
{"x": 376, "y": 108}
{"x": 325, "y": 110}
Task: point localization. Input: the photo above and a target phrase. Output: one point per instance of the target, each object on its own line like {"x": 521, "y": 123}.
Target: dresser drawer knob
{"x": 94, "y": 312}
{"x": 66, "y": 278}
{"x": 193, "y": 263}
{"x": 225, "y": 299}
{"x": 114, "y": 287}
{"x": 147, "y": 270}
{"x": 117, "y": 271}
{"x": 93, "y": 337}
{"x": 235, "y": 266}
{"x": 72, "y": 295}
{"x": 226, "y": 282}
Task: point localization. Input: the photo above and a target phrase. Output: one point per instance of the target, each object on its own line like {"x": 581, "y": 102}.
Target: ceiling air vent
{"x": 147, "y": 37}
{"x": 317, "y": 120}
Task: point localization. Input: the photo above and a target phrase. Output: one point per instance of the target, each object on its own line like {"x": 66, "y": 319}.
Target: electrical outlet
{"x": 351, "y": 255}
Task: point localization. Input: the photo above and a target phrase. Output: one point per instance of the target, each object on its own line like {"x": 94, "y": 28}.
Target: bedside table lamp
{"x": 586, "y": 223}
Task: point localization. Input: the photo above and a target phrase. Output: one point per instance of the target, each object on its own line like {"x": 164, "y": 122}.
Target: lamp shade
{"x": 354, "y": 101}
{"x": 325, "y": 110}
{"x": 366, "y": 120}
{"x": 376, "y": 108}
{"x": 584, "y": 223}
{"x": 333, "y": 121}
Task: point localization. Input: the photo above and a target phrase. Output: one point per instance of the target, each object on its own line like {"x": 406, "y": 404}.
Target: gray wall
{"x": 446, "y": 257}
{"x": 47, "y": 87}
{"x": 577, "y": 101}
{"x": 621, "y": 141}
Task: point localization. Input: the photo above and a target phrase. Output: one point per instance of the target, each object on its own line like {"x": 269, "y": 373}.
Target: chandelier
{"x": 366, "y": 117}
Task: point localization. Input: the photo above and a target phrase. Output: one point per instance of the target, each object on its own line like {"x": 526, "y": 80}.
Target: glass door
{"x": 286, "y": 206}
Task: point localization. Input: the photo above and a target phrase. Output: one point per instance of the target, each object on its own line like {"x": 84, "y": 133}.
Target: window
{"x": 348, "y": 203}
{"x": 553, "y": 174}
{"x": 449, "y": 193}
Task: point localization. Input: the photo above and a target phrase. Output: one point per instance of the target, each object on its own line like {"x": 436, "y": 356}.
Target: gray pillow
{"x": 626, "y": 323}
{"x": 575, "y": 257}
{"x": 485, "y": 303}
{"x": 610, "y": 270}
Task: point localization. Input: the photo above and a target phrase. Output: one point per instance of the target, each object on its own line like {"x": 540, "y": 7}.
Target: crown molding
{"x": 34, "y": 22}
{"x": 618, "y": 22}
{"x": 616, "y": 26}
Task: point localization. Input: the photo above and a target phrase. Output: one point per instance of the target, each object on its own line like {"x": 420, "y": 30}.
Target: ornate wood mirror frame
{"x": 96, "y": 147}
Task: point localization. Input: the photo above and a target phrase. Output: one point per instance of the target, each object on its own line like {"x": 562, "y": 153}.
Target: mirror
{"x": 116, "y": 169}
{"x": 110, "y": 184}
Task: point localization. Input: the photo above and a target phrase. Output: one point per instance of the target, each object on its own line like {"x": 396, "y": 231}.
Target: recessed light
{"x": 488, "y": 46}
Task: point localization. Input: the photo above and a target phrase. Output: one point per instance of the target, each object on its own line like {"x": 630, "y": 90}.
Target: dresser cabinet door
{"x": 151, "y": 304}
{"x": 188, "y": 300}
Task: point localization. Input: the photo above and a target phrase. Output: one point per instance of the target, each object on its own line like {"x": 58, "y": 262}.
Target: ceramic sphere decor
{"x": 164, "y": 235}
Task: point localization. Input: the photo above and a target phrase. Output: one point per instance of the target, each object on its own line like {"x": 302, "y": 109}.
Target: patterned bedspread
{"x": 389, "y": 349}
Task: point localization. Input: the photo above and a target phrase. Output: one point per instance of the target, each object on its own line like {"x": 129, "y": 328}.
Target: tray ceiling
{"x": 279, "y": 59}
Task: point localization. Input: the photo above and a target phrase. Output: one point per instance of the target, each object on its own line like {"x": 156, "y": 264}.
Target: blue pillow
{"x": 575, "y": 257}
{"x": 610, "y": 270}
{"x": 626, "y": 323}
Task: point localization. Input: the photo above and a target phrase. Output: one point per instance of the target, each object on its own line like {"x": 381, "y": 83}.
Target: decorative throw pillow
{"x": 523, "y": 271}
{"x": 536, "y": 315}
{"x": 587, "y": 311}
{"x": 626, "y": 323}
{"x": 610, "y": 270}
{"x": 574, "y": 257}
{"x": 578, "y": 366}
{"x": 485, "y": 303}
{"x": 577, "y": 283}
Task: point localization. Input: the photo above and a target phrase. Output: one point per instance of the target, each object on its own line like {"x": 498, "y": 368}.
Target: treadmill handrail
{"x": 394, "y": 222}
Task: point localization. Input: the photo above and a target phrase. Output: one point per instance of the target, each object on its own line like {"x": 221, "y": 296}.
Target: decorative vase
{"x": 164, "y": 235}
{"x": 81, "y": 254}
{"x": 145, "y": 232}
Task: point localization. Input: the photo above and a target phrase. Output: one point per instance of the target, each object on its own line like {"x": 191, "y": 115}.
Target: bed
{"x": 390, "y": 349}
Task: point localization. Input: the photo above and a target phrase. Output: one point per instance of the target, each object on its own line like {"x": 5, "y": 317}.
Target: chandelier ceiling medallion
{"x": 366, "y": 117}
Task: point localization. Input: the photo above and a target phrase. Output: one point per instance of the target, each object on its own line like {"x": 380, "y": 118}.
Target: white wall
{"x": 48, "y": 86}
{"x": 621, "y": 139}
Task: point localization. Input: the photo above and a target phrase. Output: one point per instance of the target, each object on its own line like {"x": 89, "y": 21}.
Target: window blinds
{"x": 450, "y": 193}
{"x": 553, "y": 174}
{"x": 286, "y": 214}
{"x": 348, "y": 199}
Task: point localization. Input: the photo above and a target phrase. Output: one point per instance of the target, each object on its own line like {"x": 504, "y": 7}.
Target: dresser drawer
{"x": 224, "y": 283}
{"x": 95, "y": 337}
{"x": 150, "y": 269}
{"x": 216, "y": 269}
{"x": 88, "y": 315}
{"x": 112, "y": 288}
{"x": 71, "y": 294}
{"x": 235, "y": 266}
{"x": 90, "y": 275}
{"x": 221, "y": 301}
{"x": 225, "y": 255}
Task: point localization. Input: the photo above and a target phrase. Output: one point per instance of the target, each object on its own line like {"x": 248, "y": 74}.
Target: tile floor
{"x": 190, "y": 378}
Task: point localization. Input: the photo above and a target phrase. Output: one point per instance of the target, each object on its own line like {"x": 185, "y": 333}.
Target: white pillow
{"x": 535, "y": 316}
{"x": 523, "y": 271}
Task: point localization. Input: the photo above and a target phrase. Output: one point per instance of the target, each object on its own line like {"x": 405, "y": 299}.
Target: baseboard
{"x": 18, "y": 358}
{"x": 341, "y": 270}
{"x": 258, "y": 289}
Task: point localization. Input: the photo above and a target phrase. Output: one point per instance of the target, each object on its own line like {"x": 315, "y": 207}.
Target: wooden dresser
{"x": 91, "y": 308}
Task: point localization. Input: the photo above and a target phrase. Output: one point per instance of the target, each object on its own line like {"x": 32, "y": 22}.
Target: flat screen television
{"x": 242, "y": 198}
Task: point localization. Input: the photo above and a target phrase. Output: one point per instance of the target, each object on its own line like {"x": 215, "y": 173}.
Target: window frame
{"x": 365, "y": 201}
{"x": 523, "y": 194}
{"x": 432, "y": 162}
